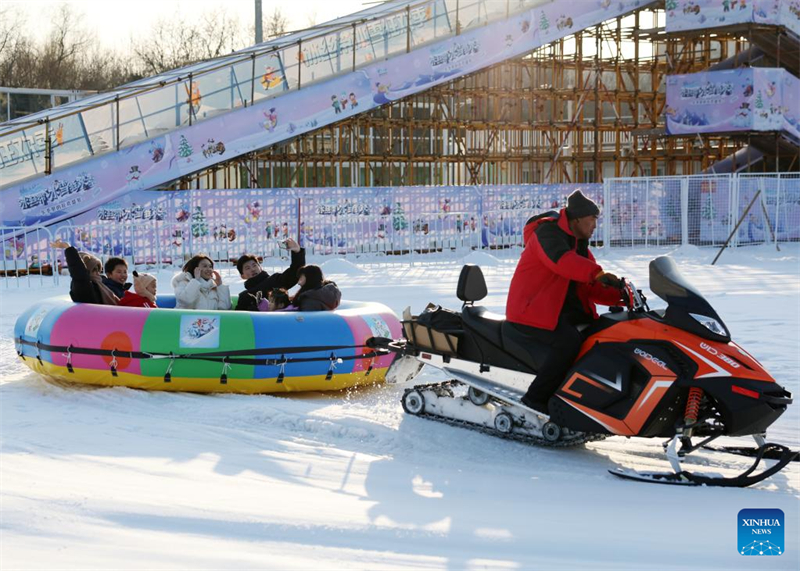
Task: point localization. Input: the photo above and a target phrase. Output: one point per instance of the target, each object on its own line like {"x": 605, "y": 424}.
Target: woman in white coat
{"x": 199, "y": 286}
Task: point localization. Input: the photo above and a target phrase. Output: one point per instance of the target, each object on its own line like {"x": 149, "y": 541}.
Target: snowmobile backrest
{"x": 471, "y": 284}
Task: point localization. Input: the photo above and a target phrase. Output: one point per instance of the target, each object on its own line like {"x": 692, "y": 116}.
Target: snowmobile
{"x": 673, "y": 373}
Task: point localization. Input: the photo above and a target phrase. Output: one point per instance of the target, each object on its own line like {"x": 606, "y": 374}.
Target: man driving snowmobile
{"x": 554, "y": 289}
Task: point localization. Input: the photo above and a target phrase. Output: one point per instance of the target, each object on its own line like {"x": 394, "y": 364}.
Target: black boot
{"x": 535, "y": 404}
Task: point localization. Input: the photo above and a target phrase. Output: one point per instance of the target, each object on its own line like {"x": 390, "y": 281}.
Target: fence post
{"x": 607, "y": 213}
{"x": 684, "y": 211}
{"x": 778, "y": 206}
{"x": 735, "y": 194}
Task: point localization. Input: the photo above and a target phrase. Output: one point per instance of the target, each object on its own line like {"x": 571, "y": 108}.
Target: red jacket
{"x": 135, "y": 300}
{"x": 550, "y": 260}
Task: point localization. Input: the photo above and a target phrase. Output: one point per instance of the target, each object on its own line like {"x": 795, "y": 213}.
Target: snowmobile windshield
{"x": 684, "y": 301}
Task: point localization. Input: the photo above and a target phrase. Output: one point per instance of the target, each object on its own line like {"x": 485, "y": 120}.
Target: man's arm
{"x": 288, "y": 278}
{"x": 552, "y": 248}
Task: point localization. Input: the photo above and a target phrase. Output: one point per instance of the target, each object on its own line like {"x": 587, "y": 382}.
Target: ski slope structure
{"x": 157, "y": 130}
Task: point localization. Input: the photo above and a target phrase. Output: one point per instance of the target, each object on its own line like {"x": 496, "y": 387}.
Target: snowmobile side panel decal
{"x": 613, "y": 425}
{"x": 653, "y": 387}
{"x": 717, "y": 370}
{"x": 567, "y": 388}
{"x": 633, "y": 422}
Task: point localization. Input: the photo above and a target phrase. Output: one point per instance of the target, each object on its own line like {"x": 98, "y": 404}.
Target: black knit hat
{"x": 579, "y": 206}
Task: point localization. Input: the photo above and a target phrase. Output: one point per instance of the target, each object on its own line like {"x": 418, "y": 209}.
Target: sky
{"x": 115, "y": 22}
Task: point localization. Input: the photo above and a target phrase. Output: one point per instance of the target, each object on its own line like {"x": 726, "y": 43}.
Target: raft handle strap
{"x": 38, "y": 353}
{"x": 69, "y": 359}
{"x": 223, "y": 379}
{"x": 334, "y": 359}
{"x": 371, "y": 364}
{"x": 280, "y": 372}
{"x": 21, "y": 344}
{"x": 168, "y": 374}
{"x": 113, "y": 363}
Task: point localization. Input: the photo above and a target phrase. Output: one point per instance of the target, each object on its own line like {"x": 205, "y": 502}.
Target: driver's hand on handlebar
{"x": 608, "y": 279}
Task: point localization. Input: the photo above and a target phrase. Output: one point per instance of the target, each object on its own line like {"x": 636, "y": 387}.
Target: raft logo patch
{"x": 760, "y": 532}
{"x": 200, "y": 331}
{"x": 35, "y": 322}
{"x": 378, "y": 326}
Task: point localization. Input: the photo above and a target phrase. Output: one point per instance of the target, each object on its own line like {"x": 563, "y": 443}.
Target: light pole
{"x": 259, "y": 28}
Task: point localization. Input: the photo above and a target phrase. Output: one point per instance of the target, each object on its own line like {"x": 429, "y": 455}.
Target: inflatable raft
{"x": 205, "y": 351}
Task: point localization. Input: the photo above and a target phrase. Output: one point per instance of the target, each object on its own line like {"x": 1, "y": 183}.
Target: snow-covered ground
{"x": 113, "y": 478}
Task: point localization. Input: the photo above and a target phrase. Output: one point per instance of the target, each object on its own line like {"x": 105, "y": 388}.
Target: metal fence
{"x": 371, "y": 224}
{"x": 702, "y": 210}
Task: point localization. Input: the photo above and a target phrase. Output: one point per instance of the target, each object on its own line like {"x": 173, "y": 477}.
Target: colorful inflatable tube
{"x": 205, "y": 351}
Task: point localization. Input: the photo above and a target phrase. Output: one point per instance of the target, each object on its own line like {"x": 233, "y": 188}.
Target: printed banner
{"x": 187, "y": 149}
{"x": 704, "y": 14}
{"x": 744, "y": 99}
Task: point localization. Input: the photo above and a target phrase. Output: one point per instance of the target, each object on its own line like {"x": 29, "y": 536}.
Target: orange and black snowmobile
{"x": 673, "y": 373}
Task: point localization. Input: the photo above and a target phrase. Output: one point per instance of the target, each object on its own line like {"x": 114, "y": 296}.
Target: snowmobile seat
{"x": 524, "y": 349}
{"x": 471, "y": 284}
{"x": 485, "y": 323}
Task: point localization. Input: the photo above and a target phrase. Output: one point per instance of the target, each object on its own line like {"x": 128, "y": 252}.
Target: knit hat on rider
{"x": 579, "y": 206}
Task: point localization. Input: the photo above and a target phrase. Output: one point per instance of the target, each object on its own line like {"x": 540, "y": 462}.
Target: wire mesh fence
{"x": 372, "y": 224}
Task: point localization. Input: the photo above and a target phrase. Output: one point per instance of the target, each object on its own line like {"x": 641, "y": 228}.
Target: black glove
{"x": 608, "y": 279}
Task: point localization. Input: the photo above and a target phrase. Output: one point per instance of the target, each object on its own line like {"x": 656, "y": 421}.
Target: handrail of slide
{"x": 46, "y": 141}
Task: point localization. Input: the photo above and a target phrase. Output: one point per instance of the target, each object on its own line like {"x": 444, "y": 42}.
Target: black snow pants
{"x": 563, "y": 344}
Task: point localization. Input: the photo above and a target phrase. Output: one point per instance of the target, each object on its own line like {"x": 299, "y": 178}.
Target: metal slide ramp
{"x": 63, "y": 161}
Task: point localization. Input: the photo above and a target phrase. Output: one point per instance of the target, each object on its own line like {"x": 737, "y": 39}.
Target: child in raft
{"x": 277, "y": 300}
{"x": 116, "y": 276}
{"x": 145, "y": 287}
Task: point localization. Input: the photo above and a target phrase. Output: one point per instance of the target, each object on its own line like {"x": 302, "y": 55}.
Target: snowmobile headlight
{"x": 710, "y": 323}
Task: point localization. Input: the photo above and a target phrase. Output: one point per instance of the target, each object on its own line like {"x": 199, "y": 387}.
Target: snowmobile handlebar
{"x": 633, "y": 298}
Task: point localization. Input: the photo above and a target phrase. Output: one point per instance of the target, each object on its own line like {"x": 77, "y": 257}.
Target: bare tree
{"x": 11, "y": 24}
{"x": 174, "y": 42}
{"x": 62, "y": 50}
{"x": 68, "y": 58}
{"x": 12, "y": 42}
{"x": 276, "y": 24}
{"x": 311, "y": 18}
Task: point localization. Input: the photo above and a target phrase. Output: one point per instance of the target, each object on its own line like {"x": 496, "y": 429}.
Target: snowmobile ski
{"x": 685, "y": 478}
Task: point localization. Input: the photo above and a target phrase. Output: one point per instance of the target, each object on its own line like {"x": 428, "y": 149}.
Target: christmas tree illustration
{"x": 399, "y": 221}
{"x": 759, "y": 102}
{"x": 184, "y": 148}
{"x": 671, "y": 4}
{"x": 199, "y": 226}
{"x": 543, "y": 22}
{"x": 707, "y": 211}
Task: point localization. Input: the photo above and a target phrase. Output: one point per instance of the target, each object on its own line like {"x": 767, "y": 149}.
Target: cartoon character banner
{"x": 645, "y": 211}
{"x": 387, "y": 73}
{"x": 744, "y": 99}
{"x": 704, "y": 14}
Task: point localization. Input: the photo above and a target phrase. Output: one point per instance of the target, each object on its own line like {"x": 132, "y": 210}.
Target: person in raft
{"x": 116, "y": 276}
{"x": 199, "y": 286}
{"x": 86, "y": 271}
{"x": 316, "y": 293}
{"x": 145, "y": 287}
{"x": 257, "y": 280}
{"x": 277, "y": 300}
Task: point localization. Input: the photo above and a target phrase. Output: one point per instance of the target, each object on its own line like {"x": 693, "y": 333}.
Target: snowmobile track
{"x": 443, "y": 390}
